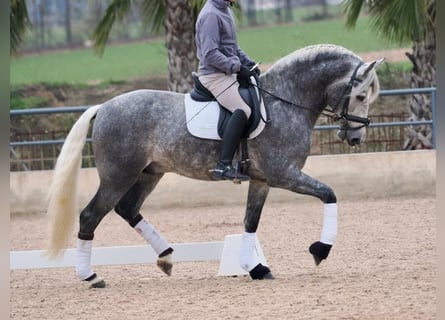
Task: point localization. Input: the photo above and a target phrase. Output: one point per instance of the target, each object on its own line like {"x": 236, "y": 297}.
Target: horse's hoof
{"x": 319, "y": 251}
{"x": 95, "y": 282}
{"x": 99, "y": 284}
{"x": 261, "y": 272}
{"x": 165, "y": 264}
{"x": 317, "y": 260}
{"x": 268, "y": 276}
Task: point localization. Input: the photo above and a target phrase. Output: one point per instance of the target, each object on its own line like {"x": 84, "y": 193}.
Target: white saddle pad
{"x": 202, "y": 119}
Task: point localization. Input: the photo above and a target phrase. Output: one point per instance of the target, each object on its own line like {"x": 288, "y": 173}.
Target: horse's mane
{"x": 324, "y": 53}
{"x": 313, "y": 52}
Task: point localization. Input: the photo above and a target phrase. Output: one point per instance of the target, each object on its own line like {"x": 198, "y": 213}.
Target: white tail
{"x": 62, "y": 197}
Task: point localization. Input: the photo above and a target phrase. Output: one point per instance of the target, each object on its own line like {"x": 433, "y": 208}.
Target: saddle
{"x": 249, "y": 94}
{"x": 253, "y": 99}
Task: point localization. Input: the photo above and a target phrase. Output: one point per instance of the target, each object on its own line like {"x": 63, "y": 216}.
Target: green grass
{"x": 121, "y": 62}
{"x": 18, "y": 102}
{"x": 118, "y": 62}
{"x": 271, "y": 44}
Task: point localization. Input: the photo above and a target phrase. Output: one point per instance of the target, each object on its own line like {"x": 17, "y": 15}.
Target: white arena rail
{"x": 185, "y": 252}
{"x": 226, "y": 252}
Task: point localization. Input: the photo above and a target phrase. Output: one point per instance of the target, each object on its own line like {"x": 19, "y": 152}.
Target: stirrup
{"x": 228, "y": 172}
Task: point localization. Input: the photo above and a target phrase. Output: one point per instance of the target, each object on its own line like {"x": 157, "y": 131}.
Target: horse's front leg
{"x": 248, "y": 260}
{"x": 297, "y": 181}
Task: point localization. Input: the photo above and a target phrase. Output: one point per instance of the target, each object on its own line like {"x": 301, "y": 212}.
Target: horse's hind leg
{"x": 90, "y": 217}
{"x": 128, "y": 208}
{"x": 112, "y": 187}
{"x": 248, "y": 260}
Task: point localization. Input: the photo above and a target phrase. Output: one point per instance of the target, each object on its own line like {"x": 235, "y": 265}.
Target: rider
{"x": 223, "y": 66}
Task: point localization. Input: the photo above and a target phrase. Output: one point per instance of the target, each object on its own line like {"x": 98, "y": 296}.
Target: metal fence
{"x": 39, "y": 150}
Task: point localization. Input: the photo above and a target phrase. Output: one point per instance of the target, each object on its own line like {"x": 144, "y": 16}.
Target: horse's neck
{"x": 303, "y": 96}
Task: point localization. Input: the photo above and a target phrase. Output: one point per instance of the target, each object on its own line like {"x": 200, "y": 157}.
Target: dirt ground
{"x": 383, "y": 266}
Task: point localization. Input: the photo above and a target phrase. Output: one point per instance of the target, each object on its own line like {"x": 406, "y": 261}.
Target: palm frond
{"x": 153, "y": 13}
{"x": 352, "y": 9}
{"x": 19, "y": 24}
{"x": 397, "y": 20}
{"x": 115, "y": 11}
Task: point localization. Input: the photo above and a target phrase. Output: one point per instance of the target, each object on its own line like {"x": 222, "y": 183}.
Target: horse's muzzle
{"x": 341, "y": 134}
{"x": 353, "y": 137}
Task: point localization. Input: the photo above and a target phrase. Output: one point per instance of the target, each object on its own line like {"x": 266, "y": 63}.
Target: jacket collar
{"x": 220, "y": 4}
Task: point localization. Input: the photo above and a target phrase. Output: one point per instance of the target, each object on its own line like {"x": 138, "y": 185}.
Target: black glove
{"x": 256, "y": 70}
{"x": 244, "y": 72}
{"x": 243, "y": 76}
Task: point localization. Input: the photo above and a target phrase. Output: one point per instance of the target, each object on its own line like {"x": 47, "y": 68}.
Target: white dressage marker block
{"x": 229, "y": 264}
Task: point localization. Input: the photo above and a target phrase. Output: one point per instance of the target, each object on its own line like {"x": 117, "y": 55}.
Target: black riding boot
{"x": 230, "y": 141}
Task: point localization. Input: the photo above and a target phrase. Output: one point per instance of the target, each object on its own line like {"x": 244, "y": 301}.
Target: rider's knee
{"x": 247, "y": 111}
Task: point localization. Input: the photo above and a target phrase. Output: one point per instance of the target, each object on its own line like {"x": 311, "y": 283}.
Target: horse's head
{"x": 362, "y": 89}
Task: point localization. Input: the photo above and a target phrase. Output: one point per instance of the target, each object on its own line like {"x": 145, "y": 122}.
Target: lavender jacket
{"x": 216, "y": 42}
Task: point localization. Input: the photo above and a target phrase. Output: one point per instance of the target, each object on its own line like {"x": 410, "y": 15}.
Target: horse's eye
{"x": 360, "y": 98}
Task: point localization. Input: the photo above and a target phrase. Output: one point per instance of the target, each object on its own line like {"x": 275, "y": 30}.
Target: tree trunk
{"x": 69, "y": 38}
{"x": 324, "y": 5}
{"x": 251, "y": 13}
{"x": 423, "y": 75}
{"x": 42, "y": 16}
{"x": 288, "y": 12}
{"x": 180, "y": 43}
{"x": 278, "y": 13}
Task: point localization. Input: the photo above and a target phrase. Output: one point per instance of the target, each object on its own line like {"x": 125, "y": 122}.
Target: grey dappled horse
{"x": 139, "y": 136}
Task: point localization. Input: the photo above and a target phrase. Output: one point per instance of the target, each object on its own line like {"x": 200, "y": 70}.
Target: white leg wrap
{"x": 83, "y": 263}
{"x": 149, "y": 233}
{"x": 329, "y": 231}
{"x": 247, "y": 259}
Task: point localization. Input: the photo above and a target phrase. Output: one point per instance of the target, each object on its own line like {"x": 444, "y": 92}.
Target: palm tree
{"x": 178, "y": 18}
{"x": 401, "y": 21}
{"x": 19, "y": 24}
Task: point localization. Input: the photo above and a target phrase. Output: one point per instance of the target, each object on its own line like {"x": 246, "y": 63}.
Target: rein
{"x": 332, "y": 113}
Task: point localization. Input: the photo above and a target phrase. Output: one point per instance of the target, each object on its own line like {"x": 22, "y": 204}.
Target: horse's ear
{"x": 377, "y": 63}
{"x": 368, "y": 66}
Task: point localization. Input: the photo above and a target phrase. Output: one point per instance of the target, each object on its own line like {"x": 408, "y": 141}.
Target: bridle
{"x": 332, "y": 113}
{"x": 346, "y": 96}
